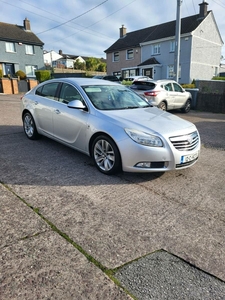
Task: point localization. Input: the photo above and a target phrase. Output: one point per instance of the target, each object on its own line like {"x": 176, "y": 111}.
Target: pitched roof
{"x": 165, "y": 30}
{"x": 16, "y": 33}
{"x": 150, "y": 61}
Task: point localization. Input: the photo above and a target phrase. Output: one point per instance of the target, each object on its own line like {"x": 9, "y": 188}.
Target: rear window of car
{"x": 143, "y": 85}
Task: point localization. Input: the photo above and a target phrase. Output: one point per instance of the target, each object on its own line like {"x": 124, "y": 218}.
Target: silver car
{"x": 165, "y": 94}
{"x": 107, "y": 121}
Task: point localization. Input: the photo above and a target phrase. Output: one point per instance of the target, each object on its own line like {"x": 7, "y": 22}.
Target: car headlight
{"x": 143, "y": 138}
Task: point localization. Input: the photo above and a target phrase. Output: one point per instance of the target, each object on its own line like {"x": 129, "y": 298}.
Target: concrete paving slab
{"x": 47, "y": 267}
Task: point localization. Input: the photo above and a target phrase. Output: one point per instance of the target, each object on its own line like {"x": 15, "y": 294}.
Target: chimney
{"x": 123, "y": 31}
{"x": 26, "y": 24}
{"x": 203, "y": 9}
{"x": 60, "y": 52}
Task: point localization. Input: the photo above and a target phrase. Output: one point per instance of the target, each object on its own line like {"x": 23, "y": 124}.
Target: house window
{"x": 156, "y": 49}
{"x": 29, "y": 49}
{"x": 170, "y": 71}
{"x": 30, "y": 70}
{"x": 116, "y": 56}
{"x": 172, "y": 46}
{"x": 130, "y": 54}
{"x": 10, "y": 47}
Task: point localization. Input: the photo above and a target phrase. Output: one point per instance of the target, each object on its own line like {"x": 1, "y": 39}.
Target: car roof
{"x": 82, "y": 81}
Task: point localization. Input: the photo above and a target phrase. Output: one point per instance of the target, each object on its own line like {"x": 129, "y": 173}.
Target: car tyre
{"x": 106, "y": 155}
{"x": 162, "y": 105}
{"x": 30, "y": 127}
{"x": 187, "y": 107}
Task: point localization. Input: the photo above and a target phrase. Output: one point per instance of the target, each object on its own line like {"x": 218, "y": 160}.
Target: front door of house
{"x": 148, "y": 72}
{"x": 9, "y": 69}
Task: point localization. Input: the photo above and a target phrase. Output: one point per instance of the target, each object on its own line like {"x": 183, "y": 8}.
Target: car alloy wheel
{"x": 106, "y": 155}
{"x": 29, "y": 127}
{"x": 187, "y": 107}
{"x": 162, "y": 105}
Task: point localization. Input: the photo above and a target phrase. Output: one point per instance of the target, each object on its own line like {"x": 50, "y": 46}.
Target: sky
{"x": 89, "y": 27}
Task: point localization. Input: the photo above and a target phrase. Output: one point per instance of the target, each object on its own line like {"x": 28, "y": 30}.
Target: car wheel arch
{"x": 107, "y": 160}
{"x": 163, "y": 102}
{"x": 99, "y": 133}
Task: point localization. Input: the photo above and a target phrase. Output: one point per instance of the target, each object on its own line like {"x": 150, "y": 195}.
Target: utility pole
{"x": 177, "y": 42}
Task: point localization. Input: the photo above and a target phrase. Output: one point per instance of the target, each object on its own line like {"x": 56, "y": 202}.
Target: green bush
{"x": 188, "y": 86}
{"x": 21, "y": 74}
{"x": 127, "y": 82}
{"x": 218, "y": 78}
{"x": 43, "y": 75}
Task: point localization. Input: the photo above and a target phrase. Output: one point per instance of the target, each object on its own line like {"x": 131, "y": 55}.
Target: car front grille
{"x": 186, "y": 142}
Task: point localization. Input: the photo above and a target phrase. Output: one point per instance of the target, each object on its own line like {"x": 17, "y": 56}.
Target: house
{"x": 67, "y": 61}
{"x": 151, "y": 51}
{"x": 50, "y": 57}
{"x": 20, "y": 49}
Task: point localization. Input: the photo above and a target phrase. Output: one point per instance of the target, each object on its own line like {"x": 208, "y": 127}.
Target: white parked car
{"x": 137, "y": 78}
{"x": 112, "y": 124}
{"x": 165, "y": 94}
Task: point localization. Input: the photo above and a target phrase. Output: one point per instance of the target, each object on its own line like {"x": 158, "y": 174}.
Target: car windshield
{"x": 114, "y": 97}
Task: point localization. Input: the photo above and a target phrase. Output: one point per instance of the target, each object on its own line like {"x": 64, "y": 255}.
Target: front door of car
{"x": 180, "y": 97}
{"x": 70, "y": 124}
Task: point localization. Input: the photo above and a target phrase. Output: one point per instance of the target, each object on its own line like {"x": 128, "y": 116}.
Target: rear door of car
{"x": 169, "y": 95}
{"x": 180, "y": 96}
{"x": 44, "y": 103}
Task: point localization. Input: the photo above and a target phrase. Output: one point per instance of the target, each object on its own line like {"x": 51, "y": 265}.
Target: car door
{"x": 44, "y": 104}
{"x": 70, "y": 124}
{"x": 180, "y": 96}
{"x": 170, "y": 95}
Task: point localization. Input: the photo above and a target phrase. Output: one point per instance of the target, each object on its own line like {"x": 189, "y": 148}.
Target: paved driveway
{"x": 66, "y": 228}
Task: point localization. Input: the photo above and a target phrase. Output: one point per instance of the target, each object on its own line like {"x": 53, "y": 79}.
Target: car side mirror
{"x": 77, "y": 104}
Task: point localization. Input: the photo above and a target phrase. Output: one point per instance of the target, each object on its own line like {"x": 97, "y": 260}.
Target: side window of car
{"x": 177, "y": 88}
{"x": 48, "y": 90}
{"x": 168, "y": 87}
{"x": 69, "y": 93}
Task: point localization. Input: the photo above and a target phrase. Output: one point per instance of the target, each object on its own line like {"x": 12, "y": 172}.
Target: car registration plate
{"x": 187, "y": 158}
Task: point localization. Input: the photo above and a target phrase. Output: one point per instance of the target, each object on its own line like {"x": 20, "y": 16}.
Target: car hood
{"x": 150, "y": 119}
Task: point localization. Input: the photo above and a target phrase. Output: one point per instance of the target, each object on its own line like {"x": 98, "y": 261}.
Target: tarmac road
{"x": 69, "y": 232}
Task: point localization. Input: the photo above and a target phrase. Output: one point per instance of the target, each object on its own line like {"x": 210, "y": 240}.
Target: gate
{"x": 23, "y": 86}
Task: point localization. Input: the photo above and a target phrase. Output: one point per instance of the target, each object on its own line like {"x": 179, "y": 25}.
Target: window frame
{"x": 156, "y": 49}
{"x": 130, "y": 54}
{"x": 28, "y": 48}
{"x": 31, "y": 72}
{"x": 172, "y": 46}
{"x": 116, "y": 56}
{"x": 10, "y": 47}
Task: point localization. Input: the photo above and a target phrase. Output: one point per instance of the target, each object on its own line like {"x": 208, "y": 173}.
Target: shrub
{"x": 21, "y": 74}
{"x": 188, "y": 86}
{"x": 127, "y": 82}
{"x": 218, "y": 78}
{"x": 43, "y": 75}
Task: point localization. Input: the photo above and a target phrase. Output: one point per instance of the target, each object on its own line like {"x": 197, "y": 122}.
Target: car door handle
{"x": 36, "y": 102}
{"x": 57, "y": 111}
